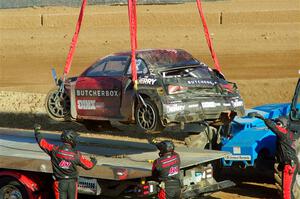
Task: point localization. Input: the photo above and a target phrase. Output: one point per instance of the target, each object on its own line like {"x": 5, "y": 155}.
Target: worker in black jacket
{"x": 65, "y": 160}
{"x": 166, "y": 170}
{"x": 286, "y": 152}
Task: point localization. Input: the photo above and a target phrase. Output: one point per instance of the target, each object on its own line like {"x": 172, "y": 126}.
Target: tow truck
{"x": 124, "y": 168}
{"x": 252, "y": 144}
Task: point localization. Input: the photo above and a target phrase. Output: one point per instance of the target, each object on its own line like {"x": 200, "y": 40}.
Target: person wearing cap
{"x": 286, "y": 152}
{"x": 166, "y": 170}
{"x": 64, "y": 160}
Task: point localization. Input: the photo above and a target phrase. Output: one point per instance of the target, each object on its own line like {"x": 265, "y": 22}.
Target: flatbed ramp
{"x": 19, "y": 150}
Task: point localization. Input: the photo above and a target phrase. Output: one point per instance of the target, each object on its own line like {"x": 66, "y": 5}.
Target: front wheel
{"x": 58, "y": 105}
{"x": 147, "y": 117}
{"x": 11, "y": 188}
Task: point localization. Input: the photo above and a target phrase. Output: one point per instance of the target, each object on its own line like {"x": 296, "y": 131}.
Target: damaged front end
{"x": 195, "y": 94}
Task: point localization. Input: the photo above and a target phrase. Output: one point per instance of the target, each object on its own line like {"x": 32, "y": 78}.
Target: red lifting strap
{"x": 133, "y": 36}
{"x": 207, "y": 36}
{"x": 74, "y": 40}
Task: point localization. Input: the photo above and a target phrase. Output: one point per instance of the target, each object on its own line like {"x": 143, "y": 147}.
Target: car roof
{"x": 162, "y": 57}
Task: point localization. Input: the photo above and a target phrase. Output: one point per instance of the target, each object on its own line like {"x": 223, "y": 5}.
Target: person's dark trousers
{"x": 288, "y": 180}
{"x": 65, "y": 189}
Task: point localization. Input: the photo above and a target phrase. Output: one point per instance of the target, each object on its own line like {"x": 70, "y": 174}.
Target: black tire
{"x": 147, "y": 117}
{"x": 95, "y": 125}
{"x": 11, "y": 188}
{"x": 57, "y": 105}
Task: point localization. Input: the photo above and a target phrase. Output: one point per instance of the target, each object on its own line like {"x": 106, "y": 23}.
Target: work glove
{"x": 255, "y": 114}
{"x": 37, "y": 127}
{"x": 93, "y": 160}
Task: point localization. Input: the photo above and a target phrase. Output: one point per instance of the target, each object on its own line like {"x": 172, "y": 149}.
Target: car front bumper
{"x": 195, "y": 110}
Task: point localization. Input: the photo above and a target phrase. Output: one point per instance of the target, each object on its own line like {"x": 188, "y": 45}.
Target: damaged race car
{"x": 173, "y": 87}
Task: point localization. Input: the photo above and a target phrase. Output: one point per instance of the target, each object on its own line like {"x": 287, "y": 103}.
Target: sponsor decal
{"x": 237, "y": 157}
{"x": 237, "y": 103}
{"x": 210, "y": 104}
{"x": 148, "y": 81}
{"x": 203, "y": 82}
{"x": 174, "y": 108}
{"x": 193, "y": 105}
{"x": 86, "y": 104}
{"x": 236, "y": 150}
{"x": 64, "y": 164}
{"x": 97, "y": 93}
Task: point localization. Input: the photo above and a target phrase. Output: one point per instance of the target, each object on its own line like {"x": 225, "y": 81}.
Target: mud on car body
{"x": 173, "y": 87}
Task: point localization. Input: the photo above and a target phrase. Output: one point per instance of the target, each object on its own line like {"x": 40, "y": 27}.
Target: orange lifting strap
{"x": 207, "y": 36}
{"x": 133, "y": 37}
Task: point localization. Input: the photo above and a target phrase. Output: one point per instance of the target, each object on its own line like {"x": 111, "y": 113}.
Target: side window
{"x": 140, "y": 66}
{"x": 96, "y": 69}
{"x": 111, "y": 66}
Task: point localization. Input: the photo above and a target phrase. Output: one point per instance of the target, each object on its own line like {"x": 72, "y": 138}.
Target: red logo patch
{"x": 64, "y": 164}
{"x": 173, "y": 171}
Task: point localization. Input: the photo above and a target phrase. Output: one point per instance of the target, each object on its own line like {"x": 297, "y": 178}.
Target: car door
{"x": 98, "y": 90}
{"x": 128, "y": 90}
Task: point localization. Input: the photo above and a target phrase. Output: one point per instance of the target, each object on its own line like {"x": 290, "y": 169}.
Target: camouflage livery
{"x": 173, "y": 87}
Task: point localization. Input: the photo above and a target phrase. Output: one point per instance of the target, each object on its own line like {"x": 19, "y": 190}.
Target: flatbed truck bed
{"x": 120, "y": 163}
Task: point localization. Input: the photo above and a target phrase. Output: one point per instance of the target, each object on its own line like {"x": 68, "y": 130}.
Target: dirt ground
{"x": 257, "y": 43}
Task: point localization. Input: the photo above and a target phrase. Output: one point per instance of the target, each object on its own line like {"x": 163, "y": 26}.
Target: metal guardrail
{"x": 39, "y": 3}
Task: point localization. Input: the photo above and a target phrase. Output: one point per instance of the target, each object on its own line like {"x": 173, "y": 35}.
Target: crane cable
{"x": 133, "y": 38}
{"x": 207, "y": 36}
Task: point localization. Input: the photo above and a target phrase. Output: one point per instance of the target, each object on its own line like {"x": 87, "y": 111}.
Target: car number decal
{"x": 86, "y": 104}
{"x": 97, "y": 93}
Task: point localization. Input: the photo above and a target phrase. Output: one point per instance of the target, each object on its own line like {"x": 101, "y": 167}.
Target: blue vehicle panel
{"x": 250, "y": 136}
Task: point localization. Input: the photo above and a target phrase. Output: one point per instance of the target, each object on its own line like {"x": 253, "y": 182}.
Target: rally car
{"x": 173, "y": 88}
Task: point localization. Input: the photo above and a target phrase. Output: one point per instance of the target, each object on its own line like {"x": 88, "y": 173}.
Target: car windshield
{"x": 168, "y": 58}
{"x": 192, "y": 72}
{"x": 109, "y": 66}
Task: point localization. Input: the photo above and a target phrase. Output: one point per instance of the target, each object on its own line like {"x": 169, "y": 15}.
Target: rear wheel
{"x": 147, "y": 116}
{"x": 58, "y": 105}
{"x": 10, "y": 188}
